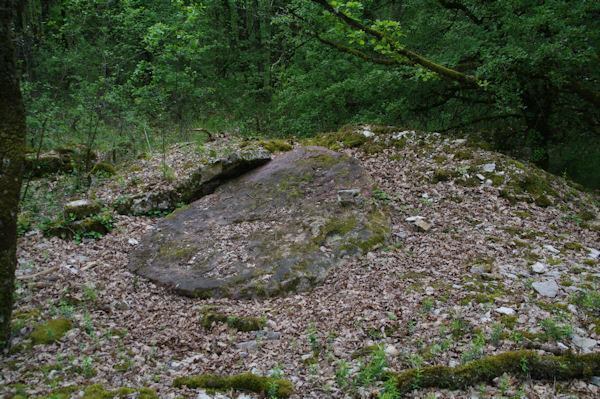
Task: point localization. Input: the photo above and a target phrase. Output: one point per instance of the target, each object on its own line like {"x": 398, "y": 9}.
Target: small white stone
{"x": 367, "y": 133}
{"x": 480, "y": 176}
{"x": 572, "y": 308}
{"x": 506, "y": 311}
{"x": 413, "y": 218}
{"x": 133, "y": 241}
{"x": 425, "y": 195}
{"x": 562, "y": 346}
{"x": 539, "y": 267}
{"x": 391, "y": 350}
{"x": 489, "y": 182}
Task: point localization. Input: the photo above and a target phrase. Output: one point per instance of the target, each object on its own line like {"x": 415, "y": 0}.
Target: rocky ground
{"x": 488, "y": 255}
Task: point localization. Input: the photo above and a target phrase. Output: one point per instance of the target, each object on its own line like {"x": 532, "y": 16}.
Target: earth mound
{"x": 277, "y": 229}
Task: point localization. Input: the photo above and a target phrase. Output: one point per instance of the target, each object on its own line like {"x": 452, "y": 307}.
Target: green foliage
{"x": 373, "y": 370}
{"x": 145, "y": 72}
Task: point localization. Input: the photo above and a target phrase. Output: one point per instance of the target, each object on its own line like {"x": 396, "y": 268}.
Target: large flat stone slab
{"x": 276, "y": 229}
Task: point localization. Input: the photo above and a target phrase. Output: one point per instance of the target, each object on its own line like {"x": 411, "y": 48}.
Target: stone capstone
{"x": 201, "y": 183}
{"x": 276, "y": 229}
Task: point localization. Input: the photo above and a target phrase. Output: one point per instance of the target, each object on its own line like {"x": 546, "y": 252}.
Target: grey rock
{"x": 348, "y": 197}
{"x": 480, "y": 176}
{"x": 401, "y": 234}
{"x": 269, "y": 335}
{"x": 593, "y": 253}
{"x": 175, "y": 365}
{"x": 489, "y": 167}
{"x": 551, "y": 249}
{"x": 477, "y": 269}
{"x": 203, "y": 395}
{"x": 506, "y": 311}
{"x": 595, "y": 380}
{"x": 261, "y": 233}
{"x": 249, "y": 346}
{"x": 539, "y": 267}
{"x": 586, "y": 345}
{"x": 547, "y": 288}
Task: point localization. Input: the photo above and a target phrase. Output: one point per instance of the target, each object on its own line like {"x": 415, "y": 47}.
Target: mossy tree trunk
{"x": 12, "y": 150}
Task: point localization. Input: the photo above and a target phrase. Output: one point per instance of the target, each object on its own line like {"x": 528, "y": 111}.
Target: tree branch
{"x": 454, "y": 5}
{"x": 360, "y": 54}
{"x": 397, "y": 48}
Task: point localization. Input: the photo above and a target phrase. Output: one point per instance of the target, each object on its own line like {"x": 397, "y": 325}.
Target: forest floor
{"x": 467, "y": 288}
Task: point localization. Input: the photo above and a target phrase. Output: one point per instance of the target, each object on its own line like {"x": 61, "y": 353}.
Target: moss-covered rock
{"x": 290, "y": 255}
{"x": 240, "y": 323}
{"x": 46, "y": 164}
{"x": 81, "y": 209}
{"x": 280, "y": 388}
{"x": 103, "y": 168}
{"x": 94, "y": 226}
{"x": 50, "y": 331}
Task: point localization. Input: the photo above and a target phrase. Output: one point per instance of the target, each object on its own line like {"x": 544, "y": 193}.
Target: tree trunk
{"x": 12, "y": 150}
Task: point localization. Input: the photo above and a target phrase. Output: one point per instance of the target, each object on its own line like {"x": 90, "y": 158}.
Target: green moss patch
{"x": 51, "y": 331}
{"x": 525, "y": 363}
{"x": 97, "y": 391}
{"x": 275, "y": 145}
{"x": 103, "y": 168}
{"x": 280, "y": 388}
{"x": 238, "y": 322}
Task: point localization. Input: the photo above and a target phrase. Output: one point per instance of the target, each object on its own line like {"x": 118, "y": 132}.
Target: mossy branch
{"x": 399, "y": 49}
{"x": 360, "y": 54}
{"x": 527, "y": 363}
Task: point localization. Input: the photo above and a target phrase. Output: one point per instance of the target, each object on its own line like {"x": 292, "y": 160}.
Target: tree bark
{"x": 12, "y": 151}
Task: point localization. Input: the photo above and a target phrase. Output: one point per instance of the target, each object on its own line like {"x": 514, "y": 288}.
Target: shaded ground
{"x": 432, "y": 298}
